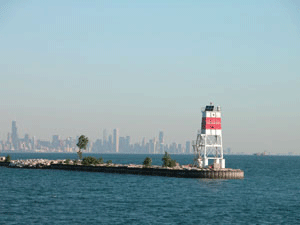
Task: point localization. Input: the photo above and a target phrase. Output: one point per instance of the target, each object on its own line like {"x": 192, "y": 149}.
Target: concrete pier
{"x": 140, "y": 170}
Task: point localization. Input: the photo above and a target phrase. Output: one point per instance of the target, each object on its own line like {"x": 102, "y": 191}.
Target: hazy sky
{"x": 79, "y": 66}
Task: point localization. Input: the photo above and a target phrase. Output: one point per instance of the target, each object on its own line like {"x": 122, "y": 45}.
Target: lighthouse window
{"x": 209, "y": 108}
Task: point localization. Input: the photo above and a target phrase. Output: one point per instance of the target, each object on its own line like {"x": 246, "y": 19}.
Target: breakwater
{"x": 183, "y": 172}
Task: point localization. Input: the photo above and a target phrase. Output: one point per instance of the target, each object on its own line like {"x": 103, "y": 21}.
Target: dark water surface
{"x": 269, "y": 194}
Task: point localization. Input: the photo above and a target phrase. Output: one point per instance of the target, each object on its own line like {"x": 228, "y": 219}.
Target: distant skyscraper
{"x": 104, "y": 135}
{"x": 161, "y": 137}
{"x": 14, "y": 135}
{"x": 116, "y": 140}
{"x": 55, "y": 141}
{"x": 109, "y": 144}
{"x": 105, "y": 144}
{"x": 144, "y": 147}
{"x": 122, "y": 144}
{"x": 34, "y": 142}
{"x": 173, "y": 147}
{"x": 188, "y": 147}
{"x": 27, "y": 142}
{"x": 161, "y": 142}
{"x": 151, "y": 146}
{"x": 179, "y": 149}
{"x": 154, "y": 145}
{"x": 9, "y": 141}
{"x": 128, "y": 149}
{"x": 128, "y": 140}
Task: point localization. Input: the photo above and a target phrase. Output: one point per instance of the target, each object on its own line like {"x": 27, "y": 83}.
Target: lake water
{"x": 269, "y": 194}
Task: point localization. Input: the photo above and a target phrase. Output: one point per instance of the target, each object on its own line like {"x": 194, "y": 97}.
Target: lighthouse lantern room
{"x": 208, "y": 145}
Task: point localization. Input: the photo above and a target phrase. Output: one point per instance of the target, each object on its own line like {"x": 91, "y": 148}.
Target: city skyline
{"x": 110, "y": 143}
{"x": 102, "y": 132}
{"x": 154, "y": 145}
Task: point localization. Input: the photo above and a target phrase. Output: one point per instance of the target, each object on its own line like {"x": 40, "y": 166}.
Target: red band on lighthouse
{"x": 211, "y": 123}
{"x": 211, "y": 126}
{"x": 211, "y": 120}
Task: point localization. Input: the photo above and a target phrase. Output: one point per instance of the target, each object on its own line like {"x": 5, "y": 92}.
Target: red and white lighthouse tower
{"x": 208, "y": 145}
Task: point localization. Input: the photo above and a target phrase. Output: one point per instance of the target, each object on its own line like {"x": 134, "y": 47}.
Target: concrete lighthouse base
{"x": 223, "y": 174}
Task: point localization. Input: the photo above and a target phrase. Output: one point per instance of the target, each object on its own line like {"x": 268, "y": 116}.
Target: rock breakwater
{"x": 179, "y": 171}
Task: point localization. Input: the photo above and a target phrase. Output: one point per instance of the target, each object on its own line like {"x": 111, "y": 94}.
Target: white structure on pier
{"x": 208, "y": 145}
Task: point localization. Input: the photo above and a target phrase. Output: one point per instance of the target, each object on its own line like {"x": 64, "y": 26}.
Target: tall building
{"x": 14, "y": 135}
{"x": 161, "y": 137}
{"x": 144, "y": 147}
{"x": 127, "y": 141}
{"x": 116, "y": 140}
{"x": 33, "y": 142}
{"x": 173, "y": 148}
{"x": 161, "y": 142}
{"x": 188, "y": 147}
{"x": 109, "y": 144}
{"x": 179, "y": 149}
{"x": 105, "y": 144}
{"x": 122, "y": 144}
{"x": 155, "y": 145}
{"x": 55, "y": 141}
{"x": 27, "y": 143}
{"x": 152, "y": 146}
{"x": 104, "y": 135}
{"x": 9, "y": 141}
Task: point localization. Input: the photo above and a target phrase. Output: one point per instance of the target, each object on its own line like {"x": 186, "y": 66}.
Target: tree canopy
{"x": 147, "y": 162}
{"x": 168, "y": 161}
{"x": 82, "y": 144}
{"x": 90, "y": 160}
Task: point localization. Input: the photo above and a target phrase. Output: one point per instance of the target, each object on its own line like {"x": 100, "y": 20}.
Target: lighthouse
{"x": 208, "y": 146}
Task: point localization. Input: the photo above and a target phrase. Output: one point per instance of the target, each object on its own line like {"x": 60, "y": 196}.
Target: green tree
{"x": 67, "y": 161}
{"x": 89, "y": 160}
{"x": 172, "y": 163}
{"x": 147, "y": 162}
{"x": 168, "y": 161}
{"x": 82, "y": 144}
{"x": 7, "y": 159}
{"x": 100, "y": 160}
{"x": 109, "y": 162}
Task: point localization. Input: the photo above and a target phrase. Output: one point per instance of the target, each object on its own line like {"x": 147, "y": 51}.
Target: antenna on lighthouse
{"x": 208, "y": 145}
